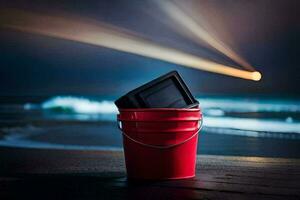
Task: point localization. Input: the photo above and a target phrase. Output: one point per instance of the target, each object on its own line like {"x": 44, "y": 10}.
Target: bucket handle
{"x": 158, "y": 146}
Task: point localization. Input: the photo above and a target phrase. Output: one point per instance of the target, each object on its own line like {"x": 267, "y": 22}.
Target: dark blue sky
{"x": 265, "y": 32}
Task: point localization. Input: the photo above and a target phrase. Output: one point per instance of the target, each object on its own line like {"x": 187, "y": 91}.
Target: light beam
{"x": 199, "y": 32}
{"x": 100, "y": 34}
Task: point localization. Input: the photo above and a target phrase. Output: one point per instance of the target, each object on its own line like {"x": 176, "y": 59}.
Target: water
{"x": 232, "y": 125}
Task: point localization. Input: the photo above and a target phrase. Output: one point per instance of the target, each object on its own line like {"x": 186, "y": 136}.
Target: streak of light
{"x": 91, "y": 32}
{"x": 199, "y": 32}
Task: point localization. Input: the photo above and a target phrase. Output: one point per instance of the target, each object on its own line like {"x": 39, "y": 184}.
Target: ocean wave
{"x": 214, "y": 112}
{"x": 79, "y": 105}
{"x": 212, "y": 106}
{"x": 249, "y": 105}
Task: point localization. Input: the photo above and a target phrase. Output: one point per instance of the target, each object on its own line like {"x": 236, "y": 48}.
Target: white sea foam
{"x": 80, "y": 105}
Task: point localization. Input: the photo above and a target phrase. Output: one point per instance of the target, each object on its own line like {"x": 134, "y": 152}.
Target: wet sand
{"x": 105, "y": 135}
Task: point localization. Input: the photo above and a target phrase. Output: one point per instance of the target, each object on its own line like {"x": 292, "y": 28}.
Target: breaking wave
{"x": 215, "y": 113}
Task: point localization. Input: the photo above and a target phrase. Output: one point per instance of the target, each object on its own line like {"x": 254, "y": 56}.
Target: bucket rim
{"x": 161, "y": 120}
{"x": 159, "y": 109}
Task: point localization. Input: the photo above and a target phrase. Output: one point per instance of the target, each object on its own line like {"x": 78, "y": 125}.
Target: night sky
{"x": 265, "y": 33}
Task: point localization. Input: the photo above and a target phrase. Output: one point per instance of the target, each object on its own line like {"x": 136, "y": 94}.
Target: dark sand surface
{"x": 90, "y": 174}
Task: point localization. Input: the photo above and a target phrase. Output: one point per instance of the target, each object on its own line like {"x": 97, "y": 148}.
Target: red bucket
{"x": 160, "y": 143}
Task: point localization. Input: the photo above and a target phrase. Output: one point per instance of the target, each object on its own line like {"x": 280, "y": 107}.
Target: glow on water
{"x": 250, "y": 105}
{"x": 252, "y": 124}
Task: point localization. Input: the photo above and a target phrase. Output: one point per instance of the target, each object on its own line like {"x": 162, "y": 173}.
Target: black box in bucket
{"x": 167, "y": 91}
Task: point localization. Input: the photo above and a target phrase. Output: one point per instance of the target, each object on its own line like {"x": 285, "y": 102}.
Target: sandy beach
{"x": 97, "y": 174}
